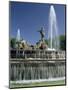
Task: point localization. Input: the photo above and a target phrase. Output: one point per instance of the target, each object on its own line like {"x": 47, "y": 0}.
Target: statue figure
{"x": 42, "y": 33}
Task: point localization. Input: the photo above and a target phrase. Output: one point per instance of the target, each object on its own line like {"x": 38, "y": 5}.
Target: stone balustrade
{"x": 37, "y": 54}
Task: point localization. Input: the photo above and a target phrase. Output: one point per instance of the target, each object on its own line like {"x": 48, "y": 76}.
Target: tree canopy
{"x": 12, "y": 42}
{"x": 62, "y": 42}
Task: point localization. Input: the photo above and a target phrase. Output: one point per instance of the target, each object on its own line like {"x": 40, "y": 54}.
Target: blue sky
{"x": 30, "y": 17}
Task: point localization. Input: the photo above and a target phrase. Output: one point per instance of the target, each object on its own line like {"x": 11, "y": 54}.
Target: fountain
{"x": 47, "y": 64}
{"x": 53, "y": 34}
{"x": 18, "y": 35}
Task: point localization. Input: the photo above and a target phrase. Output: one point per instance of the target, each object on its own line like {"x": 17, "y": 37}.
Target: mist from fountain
{"x": 53, "y": 34}
{"x": 18, "y": 35}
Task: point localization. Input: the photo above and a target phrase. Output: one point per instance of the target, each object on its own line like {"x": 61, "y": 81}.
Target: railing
{"x": 37, "y": 54}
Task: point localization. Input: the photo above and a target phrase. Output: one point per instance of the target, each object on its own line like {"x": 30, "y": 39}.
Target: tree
{"x": 13, "y": 43}
{"x": 46, "y": 41}
{"x": 62, "y": 42}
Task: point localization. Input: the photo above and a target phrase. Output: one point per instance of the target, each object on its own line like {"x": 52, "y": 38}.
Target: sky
{"x": 30, "y": 17}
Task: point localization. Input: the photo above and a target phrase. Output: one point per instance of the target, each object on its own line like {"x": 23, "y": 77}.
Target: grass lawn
{"x": 46, "y": 83}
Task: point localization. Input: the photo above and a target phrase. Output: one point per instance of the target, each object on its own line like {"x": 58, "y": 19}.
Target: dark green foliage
{"x": 62, "y": 42}
{"x": 13, "y": 43}
{"x": 46, "y": 41}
